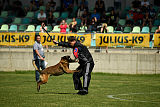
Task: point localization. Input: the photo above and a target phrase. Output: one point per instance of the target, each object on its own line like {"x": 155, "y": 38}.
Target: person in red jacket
{"x": 63, "y": 26}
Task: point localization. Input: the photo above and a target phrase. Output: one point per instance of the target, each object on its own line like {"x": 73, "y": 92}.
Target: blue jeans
{"x": 40, "y": 64}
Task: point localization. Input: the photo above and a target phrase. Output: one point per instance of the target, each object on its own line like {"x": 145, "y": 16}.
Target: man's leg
{"x": 42, "y": 64}
{"x": 87, "y": 76}
{"x": 76, "y": 79}
{"x": 37, "y": 62}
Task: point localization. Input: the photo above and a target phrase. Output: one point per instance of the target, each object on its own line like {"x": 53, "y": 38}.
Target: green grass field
{"x": 106, "y": 90}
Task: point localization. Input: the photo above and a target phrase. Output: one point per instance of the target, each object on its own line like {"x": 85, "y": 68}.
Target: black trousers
{"x": 85, "y": 71}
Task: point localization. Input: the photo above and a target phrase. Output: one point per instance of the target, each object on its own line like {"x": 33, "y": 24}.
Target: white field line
{"x": 122, "y": 99}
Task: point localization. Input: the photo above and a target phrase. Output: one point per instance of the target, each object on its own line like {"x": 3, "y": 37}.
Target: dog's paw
{"x": 38, "y": 88}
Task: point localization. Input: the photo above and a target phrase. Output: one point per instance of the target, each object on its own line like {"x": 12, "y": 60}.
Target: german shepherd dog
{"x": 56, "y": 70}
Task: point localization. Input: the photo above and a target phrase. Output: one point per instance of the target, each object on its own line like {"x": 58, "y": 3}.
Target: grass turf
{"x": 18, "y": 89}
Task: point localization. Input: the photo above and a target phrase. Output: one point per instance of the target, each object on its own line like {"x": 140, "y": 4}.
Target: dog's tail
{"x": 33, "y": 62}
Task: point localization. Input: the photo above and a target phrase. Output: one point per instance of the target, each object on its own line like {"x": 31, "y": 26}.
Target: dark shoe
{"x": 82, "y": 92}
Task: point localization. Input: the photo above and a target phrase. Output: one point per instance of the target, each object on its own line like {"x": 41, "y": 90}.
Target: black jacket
{"x": 80, "y": 51}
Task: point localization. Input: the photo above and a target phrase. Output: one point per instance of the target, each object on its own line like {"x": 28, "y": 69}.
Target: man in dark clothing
{"x": 86, "y": 64}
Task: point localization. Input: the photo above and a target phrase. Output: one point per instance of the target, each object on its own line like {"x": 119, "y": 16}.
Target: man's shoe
{"x": 82, "y": 92}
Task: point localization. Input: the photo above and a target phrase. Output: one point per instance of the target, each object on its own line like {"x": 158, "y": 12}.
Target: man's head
{"x": 41, "y": 11}
{"x": 63, "y": 22}
{"x": 71, "y": 40}
{"x": 74, "y": 19}
{"x": 38, "y": 38}
{"x": 43, "y": 24}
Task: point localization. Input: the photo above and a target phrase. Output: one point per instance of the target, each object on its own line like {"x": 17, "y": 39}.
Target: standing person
{"x": 86, "y": 64}
{"x": 39, "y": 57}
{"x": 158, "y": 31}
{"x": 104, "y": 29}
{"x": 42, "y": 30}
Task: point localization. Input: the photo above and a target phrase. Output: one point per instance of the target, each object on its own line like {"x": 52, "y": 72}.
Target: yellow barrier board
{"x": 157, "y": 40}
{"x": 85, "y": 39}
{"x": 141, "y": 40}
{"x": 17, "y": 39}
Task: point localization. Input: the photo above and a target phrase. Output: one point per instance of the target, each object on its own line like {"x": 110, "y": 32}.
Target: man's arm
{"x": 35, "y": 48}
{"x": 64, "y": 44}
{"x": 39, "y": 55}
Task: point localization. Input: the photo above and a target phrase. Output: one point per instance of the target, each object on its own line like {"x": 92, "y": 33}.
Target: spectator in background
{"x": 129, "y": 18}
{"x": 152, "y": 12}
{"x": 80, "y": 11}
{"x": 73, "y": 25}
{"x": 43, "y": 25}
{"x": 113, "y": 18}
{"x": 145, "y": 3}
{"x": 51, "y": 5}
{"x": 36, "y": 2}
{"x": 41, "y": 16}
{"x": 85, "y": 4}
{"x": 41, "y": 3}
{"x": 63, "y": 26}
{"x": 147, "y": 20}
{"x": 84, "y": 18}
{"x": 117, "y": 4}
{"x": 158, "y": 30}
{"x": 104, "y": 30}
{"x": 68, "y": 5}
{"x": 51, "y": 19}
{"x": 17, "y": 7}
{"x": 42, "y": 30}
{"x": 144, "y": 6}
{"x": 136, "y": 4}
{"x": 32, "y": 6}
{"x": 104, "y": 18}
{"x": 95, "y": 14}
{"x": 93, "y": 25}
{"x": 100, "y": 6}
